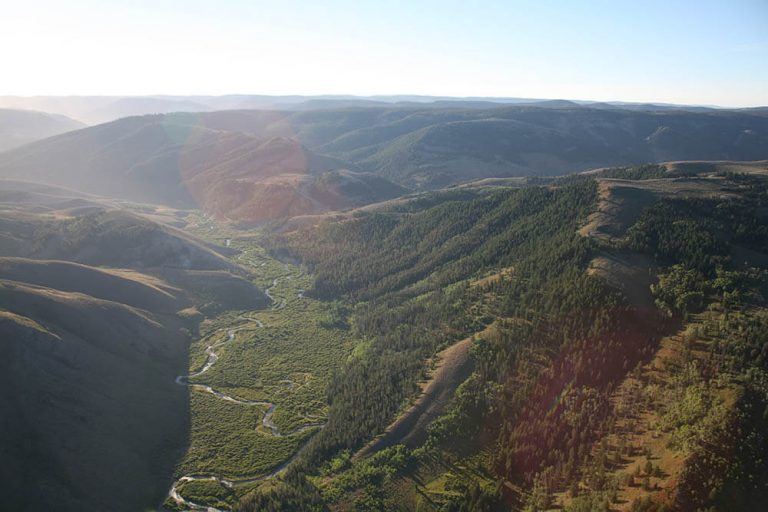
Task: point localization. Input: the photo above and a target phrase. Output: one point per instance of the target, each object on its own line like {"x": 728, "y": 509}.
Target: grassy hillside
{"x": 45, "y": 223}
{"x": 123, "y": 286}
{"x": 428, "y": 149}
{"x": 72, "y": 427}
{"x": 97, "y": 310}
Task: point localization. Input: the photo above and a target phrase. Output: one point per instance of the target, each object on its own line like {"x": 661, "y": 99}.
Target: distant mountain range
{"x": 179, "y": 161}
{"x": 256, "y": 165}
{"x": 101, "y": 109}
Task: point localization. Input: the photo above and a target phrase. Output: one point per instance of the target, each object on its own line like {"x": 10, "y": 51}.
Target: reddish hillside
{"x": 181, "y": 161}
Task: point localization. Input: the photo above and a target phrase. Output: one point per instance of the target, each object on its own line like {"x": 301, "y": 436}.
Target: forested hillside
{"x": 546, "y": 418}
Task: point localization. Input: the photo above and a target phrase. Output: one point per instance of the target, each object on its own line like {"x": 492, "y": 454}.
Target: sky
{"x": 677, "y": 51}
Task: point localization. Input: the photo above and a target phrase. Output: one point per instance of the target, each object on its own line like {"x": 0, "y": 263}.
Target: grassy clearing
{"x": 285, "y": 355}
{"x": 288, "y": 362}
{"x": 208, "y": 491}
{"x": 226, "y": 440}
{"x": 438, "y": 479}
{"x": 400, "y": 479}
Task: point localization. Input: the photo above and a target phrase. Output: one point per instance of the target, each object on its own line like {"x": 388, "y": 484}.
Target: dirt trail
{"x": 410, "y": 428}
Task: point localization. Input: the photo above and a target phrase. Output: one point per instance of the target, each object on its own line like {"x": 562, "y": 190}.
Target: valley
{"x": 258, "y": 381}
{"x": 384, "y": 257}
{"x": 508, "y": 343}
{"x": 490, "y": 347}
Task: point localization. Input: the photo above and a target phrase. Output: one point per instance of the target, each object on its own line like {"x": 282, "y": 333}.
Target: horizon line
{"x": 394, "y": 97}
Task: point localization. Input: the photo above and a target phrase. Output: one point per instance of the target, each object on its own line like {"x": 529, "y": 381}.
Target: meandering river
{"x": 266, "y": 420}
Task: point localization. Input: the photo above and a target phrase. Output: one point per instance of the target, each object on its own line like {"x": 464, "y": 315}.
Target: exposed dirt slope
{"x": 454, "y": 364}
{"x": 622, "y": 201}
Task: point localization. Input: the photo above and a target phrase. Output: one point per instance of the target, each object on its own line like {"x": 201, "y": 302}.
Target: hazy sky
{"x": 682, "y": 51}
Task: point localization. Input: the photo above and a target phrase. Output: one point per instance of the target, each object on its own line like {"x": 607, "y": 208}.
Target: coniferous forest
{"x": 557, "y": 345}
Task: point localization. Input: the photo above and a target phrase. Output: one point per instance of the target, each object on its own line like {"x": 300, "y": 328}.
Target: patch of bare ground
{"x": 453, "y": 366}
{"x": 492, "y": 278}
{"x": 628, "y": 272}
{"x": 620, "y": 202}
{"x": 750, "y": 167}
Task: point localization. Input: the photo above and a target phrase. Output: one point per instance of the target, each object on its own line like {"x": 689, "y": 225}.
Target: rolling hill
{"x": 56, "y": 226}
{"x": 173, "y": 158}
{"x": 428, "y": 147}
{"x": 431, "y": 148}
{"x": 97, "y": 307}
{"x": 177, "y": 161}
{"x": 19, "y": 127}
{"x": 71, "y": 426}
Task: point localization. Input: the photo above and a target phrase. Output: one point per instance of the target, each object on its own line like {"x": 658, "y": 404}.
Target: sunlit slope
{"x": 625, "y": 365}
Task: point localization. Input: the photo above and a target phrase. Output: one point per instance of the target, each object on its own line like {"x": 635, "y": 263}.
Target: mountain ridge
{"x": 179, "y": 159}
{"x": 20, "y": 127}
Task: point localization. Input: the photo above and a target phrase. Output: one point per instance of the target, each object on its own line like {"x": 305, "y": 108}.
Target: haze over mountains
{"x": 256, "y": 165}
{"x": 19, "y": 127}
{"x": 101, "y": 109}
